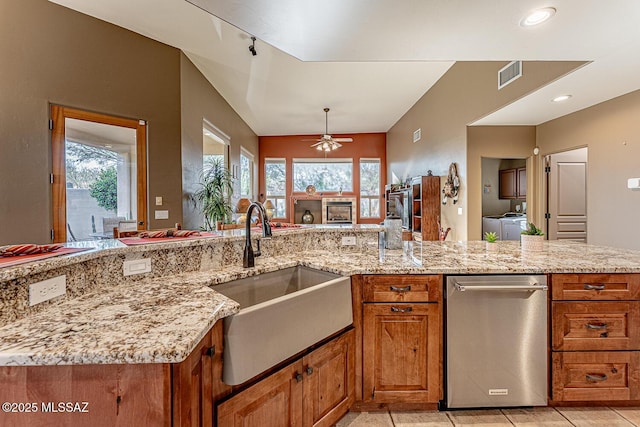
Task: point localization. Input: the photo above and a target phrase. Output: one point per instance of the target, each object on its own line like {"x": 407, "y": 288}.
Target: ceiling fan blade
{"x": 343, "y": 139}
{"x": 317, "y": 143}
{"x": 312, "y": 139}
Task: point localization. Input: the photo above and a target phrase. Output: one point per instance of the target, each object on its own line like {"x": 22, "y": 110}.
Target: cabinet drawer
{"x": 595, "y": 286}
{"x": 402, "y": 288}
{"x": 596, "y": 325}
{"x": 601, "y": 376}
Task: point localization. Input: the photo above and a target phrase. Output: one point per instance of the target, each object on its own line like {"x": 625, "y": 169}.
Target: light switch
{"x": 158, "y": 200}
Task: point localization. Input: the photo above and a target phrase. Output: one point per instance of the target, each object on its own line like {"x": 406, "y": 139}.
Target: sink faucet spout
{"x": 248, "y": 260}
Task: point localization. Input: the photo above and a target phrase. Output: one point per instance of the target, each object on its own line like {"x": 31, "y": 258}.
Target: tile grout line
{"x": 508, "y": 419}
{"x": 623, "y": 417}
{"x": 563, "y": 416}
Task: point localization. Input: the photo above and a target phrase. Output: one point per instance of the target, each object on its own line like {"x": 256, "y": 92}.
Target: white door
{"x": 567, "y": 195}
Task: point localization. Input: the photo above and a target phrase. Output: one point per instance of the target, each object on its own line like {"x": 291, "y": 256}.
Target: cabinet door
{"x": 521, "y": 179}
{"x": 508, "y": 184}
{"x": 584, "y": 287}
{"x": 275, "y": 401}
{"x": 329, "y": 381}
{"x": 192, "y": 387}
{"x": 402, "y": 288}
{"x": 596, "y": 376}
{"x": 589, "y": 325}
{"x": 401, "y": 353}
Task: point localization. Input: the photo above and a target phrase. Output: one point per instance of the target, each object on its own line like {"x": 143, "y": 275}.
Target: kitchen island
{"x": 158, "y": 319}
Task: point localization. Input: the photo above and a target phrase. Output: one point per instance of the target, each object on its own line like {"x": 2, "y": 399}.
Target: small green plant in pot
{"x": 491, "y": 238}
{"x": 532, "y": 238}
{"x": 214, "y": 195}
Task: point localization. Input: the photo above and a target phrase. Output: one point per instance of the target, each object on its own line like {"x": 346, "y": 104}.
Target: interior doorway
{"x": 566, "y": 189}
{"x": 99, "y": 174}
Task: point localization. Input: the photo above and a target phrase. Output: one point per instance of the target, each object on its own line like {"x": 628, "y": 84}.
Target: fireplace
{"x": 338, "y": 211}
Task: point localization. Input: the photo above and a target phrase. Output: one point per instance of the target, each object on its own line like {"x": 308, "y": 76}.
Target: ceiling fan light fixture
{"x": 538, "y": 16}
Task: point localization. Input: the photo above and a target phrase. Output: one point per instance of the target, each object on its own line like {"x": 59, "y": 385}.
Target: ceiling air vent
{"x": 510, "y": 72}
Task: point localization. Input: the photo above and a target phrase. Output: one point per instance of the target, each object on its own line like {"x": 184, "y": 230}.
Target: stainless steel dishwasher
{"x": 496, "y": 332}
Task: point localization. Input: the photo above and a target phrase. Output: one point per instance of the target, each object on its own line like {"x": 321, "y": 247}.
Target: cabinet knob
{"x": 298, "y": 377}
{"x": 211, "y": 351}
{"x": 309, "y": 370}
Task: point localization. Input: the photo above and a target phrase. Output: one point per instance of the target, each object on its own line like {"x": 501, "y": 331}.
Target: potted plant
{"x": 491, "y": 239}
{"x": 214, "y": 195}
{"x": 532, "y": 238}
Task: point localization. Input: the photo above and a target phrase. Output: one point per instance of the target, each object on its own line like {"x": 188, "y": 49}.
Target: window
{"x": 324, "y": 174}
{"x": 276, "y": 184}
{"x": 246, "y": 174}
{"x": 215, "y": 145}
{"x": 369, "y": 188}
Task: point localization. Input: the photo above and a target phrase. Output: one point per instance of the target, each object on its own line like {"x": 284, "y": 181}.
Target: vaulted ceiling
{"x": 370, "y": 61}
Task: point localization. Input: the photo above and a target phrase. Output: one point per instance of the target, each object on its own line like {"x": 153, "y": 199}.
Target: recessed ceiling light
{"x": 538, "y": 16}
{"x": 561, "y": 98}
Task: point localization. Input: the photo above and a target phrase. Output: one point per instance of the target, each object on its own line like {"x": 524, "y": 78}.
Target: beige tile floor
{"x": 547, "y": 417}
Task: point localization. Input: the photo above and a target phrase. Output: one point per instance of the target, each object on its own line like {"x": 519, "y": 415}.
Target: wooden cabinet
{"x": 152, "y": 394}
{"x": 192, "y": 393}
{"x": 274, "y": 401}
{"x": 316, "y": 390}
{"x": 595, "y": 337}
{"x": 425, "y": 200}
{"x": 401, "y": 339}
{"x": 596, "y": 376}
{"x": 513, "y": 183}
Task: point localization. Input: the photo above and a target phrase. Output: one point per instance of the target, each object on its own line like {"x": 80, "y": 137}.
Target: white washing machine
{"x": 506, "y": 227}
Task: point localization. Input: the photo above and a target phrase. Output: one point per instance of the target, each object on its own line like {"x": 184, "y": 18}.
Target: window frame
{"x": 370, "y": 197}
{"x": 247, "y": 154}
{"x": 278, "y": 197}
{"x": 319, "y": 160}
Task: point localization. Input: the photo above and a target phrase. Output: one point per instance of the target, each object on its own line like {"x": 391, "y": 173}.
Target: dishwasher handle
{"x": 534, "y": 287}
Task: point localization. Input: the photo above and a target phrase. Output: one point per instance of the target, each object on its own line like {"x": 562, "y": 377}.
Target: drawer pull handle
{"x": 590, "y": 287}
{"x": 401, "y": 310}
{"x": 404, "y": 289}
{"x": 596, "y": 326}
{"x": 596, "y": 377}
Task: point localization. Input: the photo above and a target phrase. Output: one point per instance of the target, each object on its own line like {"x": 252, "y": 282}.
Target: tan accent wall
{"x": 498, "y": 142}
{"x": 611, "y": 131}
{"x": 51, "y": 54}
{"x": 200, "y": 101}
{"x": 466, "y": 93}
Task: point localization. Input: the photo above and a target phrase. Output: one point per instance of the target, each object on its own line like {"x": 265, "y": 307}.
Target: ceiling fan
{"x": 326, "y": 141}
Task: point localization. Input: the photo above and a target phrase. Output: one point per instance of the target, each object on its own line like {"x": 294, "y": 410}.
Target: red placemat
{"x": 132, "y": 241}
{"x": 21, "y": 259}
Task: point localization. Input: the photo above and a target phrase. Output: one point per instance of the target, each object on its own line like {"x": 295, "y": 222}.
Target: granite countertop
{"x": 158, "y": 321}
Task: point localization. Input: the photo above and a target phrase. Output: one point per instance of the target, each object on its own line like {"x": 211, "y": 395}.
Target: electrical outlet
{"x": 47, "y": 289}
{"x": 349, "y": 241}
{"x": 136, "y": 266}
{"x": 459, "y": 211}
{"x": 161, "y": 214}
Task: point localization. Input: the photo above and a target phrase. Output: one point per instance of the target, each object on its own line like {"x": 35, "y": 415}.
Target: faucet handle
{"x": 257, "y": 251}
